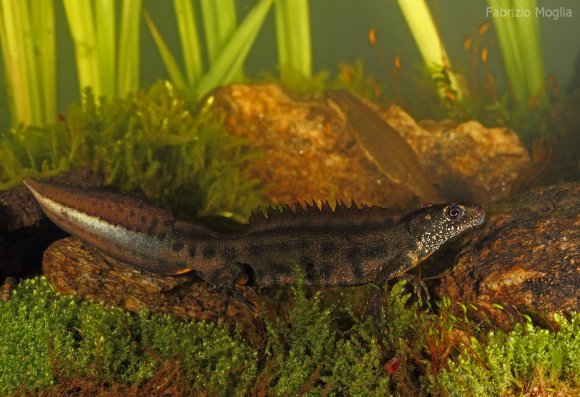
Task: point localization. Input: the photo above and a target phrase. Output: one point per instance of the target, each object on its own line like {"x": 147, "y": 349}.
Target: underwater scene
{"x": 290, "y": 197}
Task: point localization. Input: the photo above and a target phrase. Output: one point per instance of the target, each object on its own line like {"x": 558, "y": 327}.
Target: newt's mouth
{"x": 479, "y": 219}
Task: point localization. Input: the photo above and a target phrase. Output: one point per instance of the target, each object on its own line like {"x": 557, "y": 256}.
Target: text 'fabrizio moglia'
{"x": 526, "y": 12}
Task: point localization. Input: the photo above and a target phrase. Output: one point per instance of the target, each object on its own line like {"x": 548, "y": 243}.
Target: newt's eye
{"x": 454, "y": 212}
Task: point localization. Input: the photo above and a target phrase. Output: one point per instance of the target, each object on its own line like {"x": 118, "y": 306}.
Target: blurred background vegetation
{"x": 339, "y": 32}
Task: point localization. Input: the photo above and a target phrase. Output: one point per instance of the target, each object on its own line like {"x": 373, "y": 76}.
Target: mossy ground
{"x": 58, "y": 345}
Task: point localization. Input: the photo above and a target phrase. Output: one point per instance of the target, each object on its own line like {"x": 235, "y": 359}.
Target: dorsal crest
{"x": 317, "y": 215}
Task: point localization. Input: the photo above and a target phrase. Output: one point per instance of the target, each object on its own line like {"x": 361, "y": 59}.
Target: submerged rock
{"x": 76, "y": 268}
{"x": 310, "y": 150}
{"x": 526, "y": 257}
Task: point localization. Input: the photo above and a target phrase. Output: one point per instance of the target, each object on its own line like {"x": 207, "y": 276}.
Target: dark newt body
{"x": 346, "y": 246}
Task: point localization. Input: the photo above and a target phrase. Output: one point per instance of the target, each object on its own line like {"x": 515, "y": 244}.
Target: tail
{"x": 123, "y": 227}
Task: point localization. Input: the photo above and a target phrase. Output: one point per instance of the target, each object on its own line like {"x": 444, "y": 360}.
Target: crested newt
{"x": 345, "y": 246}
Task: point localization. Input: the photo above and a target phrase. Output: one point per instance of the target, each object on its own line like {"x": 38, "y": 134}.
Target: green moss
{"x": 48, "y": 339}
{"x": 400, "y": 317}
{"x": 214, "y": 362}
{"x": 501, "y": 361}
{"x": 315, "y": 353}
{"x": 357, "y": 366}
{"x": 152, "y": 142}
{"x": 302, "y": 345}
{"x": 27, "y": 334}
{"x": 107, "y": 347}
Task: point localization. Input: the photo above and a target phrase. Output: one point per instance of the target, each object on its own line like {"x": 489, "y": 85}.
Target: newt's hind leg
{"x": 375, "y": 302}
{"x": 228, "y": 295}
{"x": 224, "y": 280}
{"x": 419, "y": 286}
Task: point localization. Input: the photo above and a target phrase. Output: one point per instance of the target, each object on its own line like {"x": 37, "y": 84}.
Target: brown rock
{"x": 310, "y": 151}
{"x": 525, "y": 258}
{"x": 24, "y": 230}
{"x": 78, "y": 269}
{"x": 468, "y": 160}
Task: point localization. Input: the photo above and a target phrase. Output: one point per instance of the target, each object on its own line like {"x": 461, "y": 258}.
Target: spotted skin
{"x": 345, "y": 246}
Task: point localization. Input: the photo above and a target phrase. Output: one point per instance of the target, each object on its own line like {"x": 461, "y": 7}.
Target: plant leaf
{"x": 188, "y": 35}
{"x": 293, "y": 36}
{"x": 234, "y": 53}
{"x": 168, "y": 59}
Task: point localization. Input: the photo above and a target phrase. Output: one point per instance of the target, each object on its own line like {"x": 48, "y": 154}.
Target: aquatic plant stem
{"x": 507, "y": 37}
{"x": 129, "y": 63}
{"x": 519, "y": 41}
{"x": 29, "y": 59}
{"x": 169, "y": 60}
{"x": 82, "y": 27}
{"x": 105, "y": 30}
{"x": 190, "y": 43}
{"x": 175, "y": 71}
{"x": 232, "y": 56}
{"x": 293, "y": 37}
{"x": 108, "y": 72}
{"x": 531, "y": 50}
{"x": 45, "y": 54}
{"x": 219, "y": 22}
{"x": 225, "y": 59}
{"x": 430, "y": 45}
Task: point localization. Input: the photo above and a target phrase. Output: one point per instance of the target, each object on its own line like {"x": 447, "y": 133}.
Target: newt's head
{"x": 435, "y": 224}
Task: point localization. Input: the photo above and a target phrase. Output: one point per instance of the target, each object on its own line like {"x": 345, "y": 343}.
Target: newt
{"x": 345, "y": 246}
{"x": 383, "y": 144}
